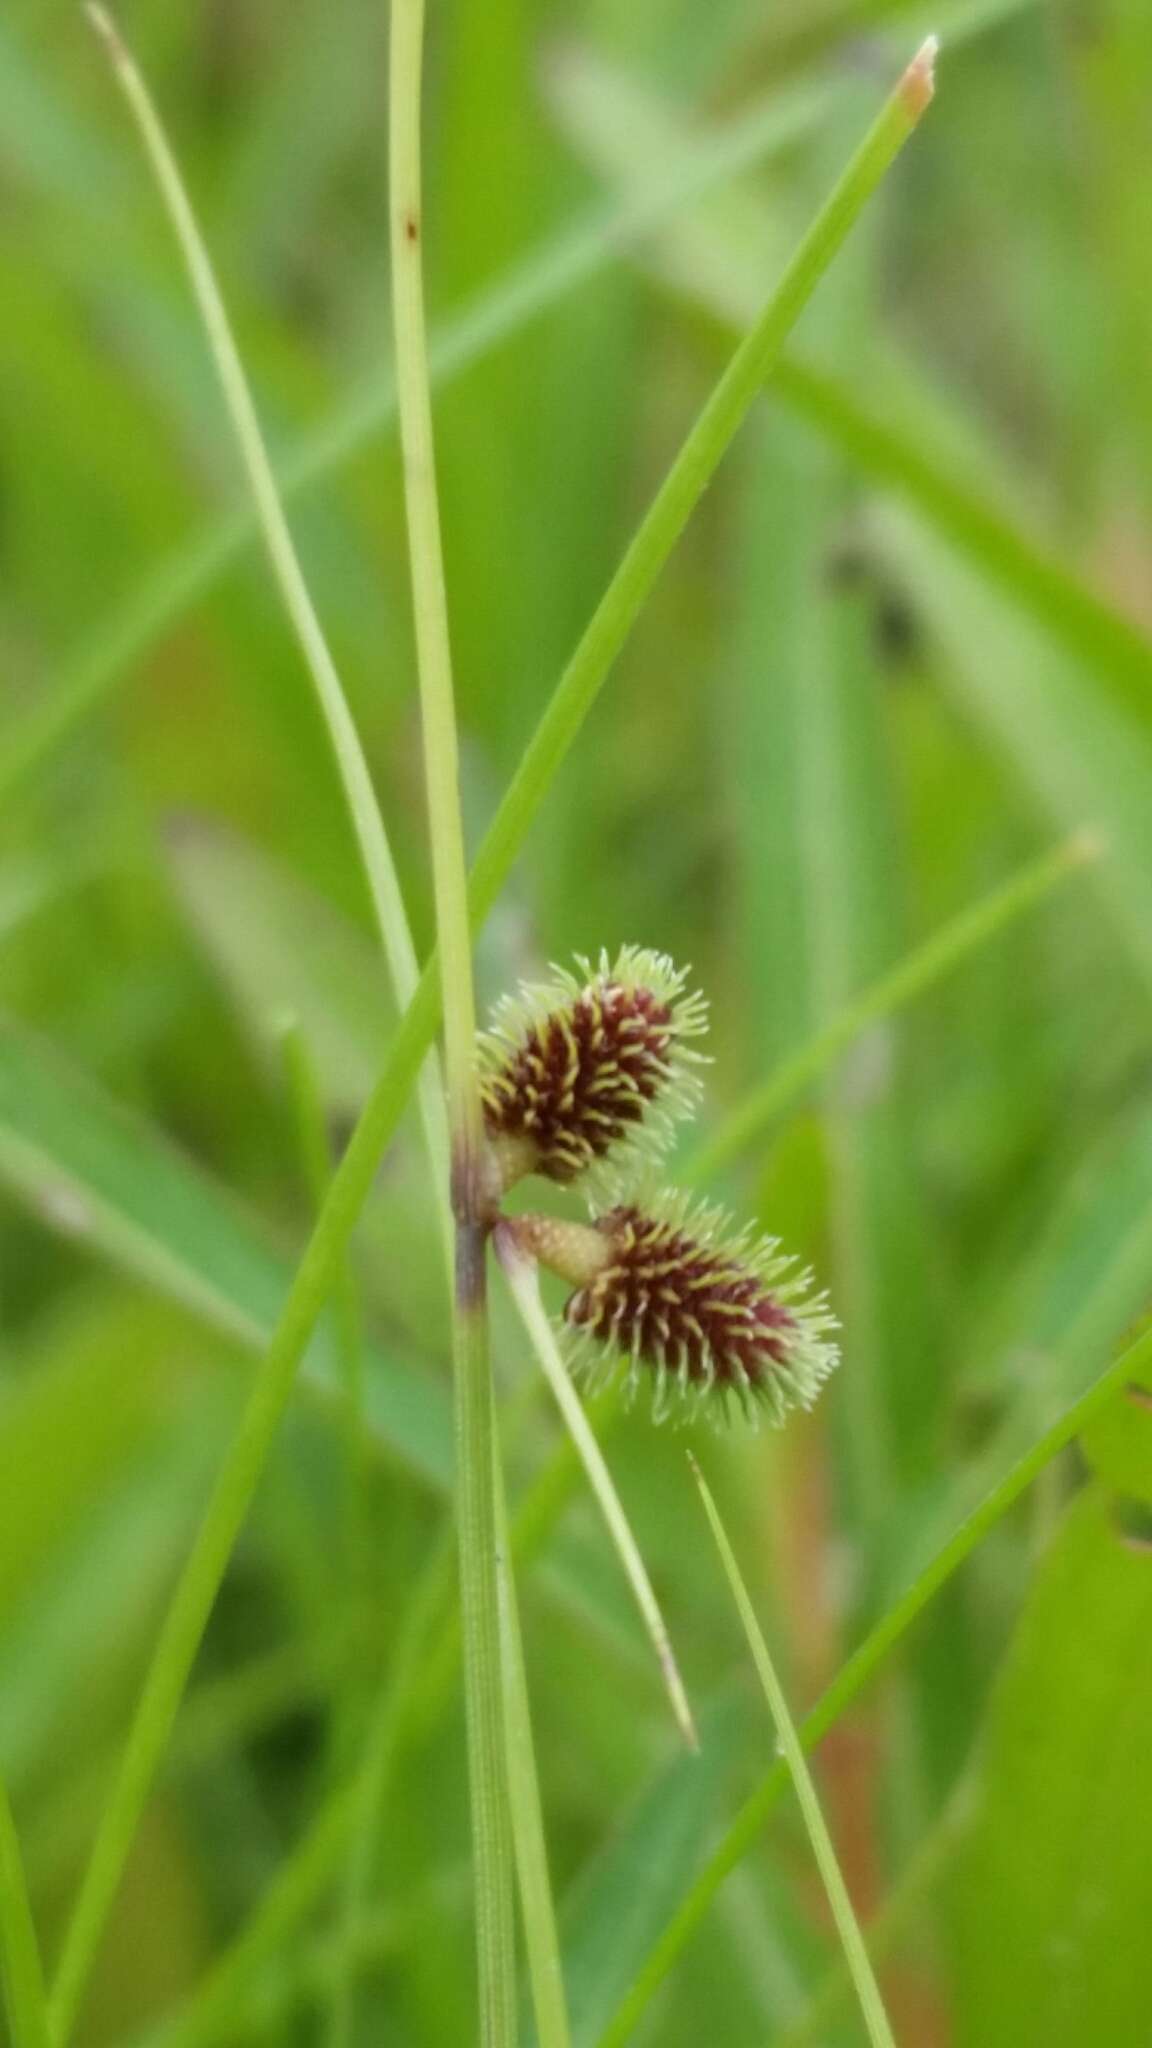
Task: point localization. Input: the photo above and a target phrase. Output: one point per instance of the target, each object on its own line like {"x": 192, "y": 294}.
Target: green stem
{"x": 24, "y": 1995}
{"x": 429, "y": 599}
{"x": 850, "y": 1681}
{"x": 851, "y": 1939}
{"x": 918, "y": 972}
{"x": 475, "y": 1405}
{"x": 480, "y": 1645}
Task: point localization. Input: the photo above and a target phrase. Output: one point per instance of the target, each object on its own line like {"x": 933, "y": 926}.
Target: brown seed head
{"x": 589, "y": 1066}
{"x": 705, "y": 1311}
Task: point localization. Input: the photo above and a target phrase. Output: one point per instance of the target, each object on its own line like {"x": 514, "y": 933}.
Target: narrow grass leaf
{"x": 524, "y": 1287}
{"x": 934, "y": 1857}
{"x": 808, "y": 1799}
{"x": 750, "y": 367}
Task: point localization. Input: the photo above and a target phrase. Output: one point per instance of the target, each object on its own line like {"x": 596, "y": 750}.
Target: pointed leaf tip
{"x": 919, "y": 81}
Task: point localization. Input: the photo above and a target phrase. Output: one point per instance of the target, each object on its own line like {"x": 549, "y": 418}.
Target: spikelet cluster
{"x": 591, "y": 1068}
{"x": 583, "y": 1080}
{"x": 701, "y": 1311}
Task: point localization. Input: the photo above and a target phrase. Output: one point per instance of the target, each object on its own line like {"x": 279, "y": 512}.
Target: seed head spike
{"x": 591, "y": 1068}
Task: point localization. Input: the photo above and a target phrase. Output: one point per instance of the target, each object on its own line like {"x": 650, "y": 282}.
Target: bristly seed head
{"x": 589, "y": 1066}
{"x": 713, "y": 1315}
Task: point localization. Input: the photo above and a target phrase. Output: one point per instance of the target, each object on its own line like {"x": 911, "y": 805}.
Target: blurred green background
{"x": 901, "y": 651}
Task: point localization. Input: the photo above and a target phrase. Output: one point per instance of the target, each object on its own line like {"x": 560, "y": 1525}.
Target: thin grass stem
{"x": 903, "y": 1905}
{"x": 474, "y": 1398}
{"x": 823, "y": 1849}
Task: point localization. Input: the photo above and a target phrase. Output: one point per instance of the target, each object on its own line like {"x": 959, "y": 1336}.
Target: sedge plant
{"x": 741, "y": 1327}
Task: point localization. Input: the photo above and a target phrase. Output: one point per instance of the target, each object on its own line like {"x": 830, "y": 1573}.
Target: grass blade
{"x": 24, "y": 1993}
{"x": 903, "y": 1904}
{"x": 523, "y": 1284}
{"x": 865, "y": 1661}
{"x": 750, "y": 367}
{"x": 808, "y": 1799}
{"x": 940, "y": 955}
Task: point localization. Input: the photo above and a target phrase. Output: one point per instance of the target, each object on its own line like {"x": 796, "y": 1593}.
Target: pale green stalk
{"x": 529, "y": 1839}
{"x": 360, "y": 797}
{"x": 429, "y": 598}
{"x": 25, "y": 1999}
{"x": 808, "y": 1799}
{"x": 524, "y": 1286}
{"x": 475, "y": 1404}
{"x": 853, "y": 1676}
{"x": 919, "y": 971}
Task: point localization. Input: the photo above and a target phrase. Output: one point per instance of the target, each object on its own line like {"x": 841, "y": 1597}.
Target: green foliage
{"x": 842, "y": 760}
{"x": 1054, "y": 1888}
